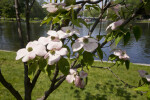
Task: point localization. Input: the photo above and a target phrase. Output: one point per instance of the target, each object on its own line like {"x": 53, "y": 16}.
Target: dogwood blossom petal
{"x": 52, "y": 33}
{"x": 73, "y": 71}
{"x": 62, "y": 34}
{"x": 62, "y": 51}
{"x": 31, "y": 55}
{"x": 142, "y": 73}
{"x": 83, "y": 74}
{"x": 90, "y": 47}
{"x": 40, "y": 50}
{"x": 25, "y": 58}
{"x": 21, "y": 53}
{"x": 77, "y": 46}
{"x": 92, "y": 40}
{"x": 53, "y": 59}
{"x": 147, "y": 77}
{"x": 79, "y": 82}
{"x": 43, "y": 40}
{"x": 51, "y": 7}
{"x": 70, "y": 78}
{"x": 118, "y": 52}
{"x": 54, "y": 45}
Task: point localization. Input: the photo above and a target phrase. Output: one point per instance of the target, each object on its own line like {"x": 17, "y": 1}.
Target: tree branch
{"x": 35, "y": 78}
{"x": 89, "y": 1}
{"x": 30, "y": 7}
{"x": 10, "y": 87}
{"x": 100, "y": 16}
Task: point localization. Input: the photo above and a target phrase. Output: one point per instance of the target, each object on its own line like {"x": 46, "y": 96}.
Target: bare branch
{"x": 89, "y": 1}
{"x": 10, "y": 87}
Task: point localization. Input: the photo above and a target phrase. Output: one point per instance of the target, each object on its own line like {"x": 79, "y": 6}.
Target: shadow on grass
{"x": 104, "y": 91}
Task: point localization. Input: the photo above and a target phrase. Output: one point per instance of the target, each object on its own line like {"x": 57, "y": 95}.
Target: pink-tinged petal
{"x": 124, "y": 57}
{"x": 40, "y": 50}
{"x": 52, "y": 10}
{"x": 43, "y": 40}
{"x": 77, "y": 46}
{"x": 21, "y": 53}
{"x": 79, "y": 82}
{"x": 46, "y": 55}
{"x": 70, "y": 78}
{"x": 52, "y": 33}
{"x": 142, "y": 73}
{"x": 25, "y": 58}
{"x": 32, "y": 44}
{"x": 62, "y": 51}
{"x": 31, "y": 55}
{"x": 83, "y": 74}
{"x": 118, "y": 52}
{"x": 147, "y": 77}
{"x": 80, "y": 39}
{"x": 65, "y": 29}
{"x": 90, "y": 47}
{"x": 53, "y": 59}
{"x": 92, "y": 40}
{"x": 54, "y": 45}
{"x": 75, "y": 31}
{"x": 109, "y": 26}
{"x": 62, "y": 34}
{"x": 73, "y": 71}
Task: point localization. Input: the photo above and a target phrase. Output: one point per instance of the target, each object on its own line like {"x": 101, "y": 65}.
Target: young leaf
{"x": 32, "y": 69}
{"x": 137, "y": 32}
{"x": 42, "y": 64}
{"x": 100, "y": 52}
{"x": 127, "y": 63}
{"x": 88, "y": 58}
{"x": 118, "y": 38}
{"x": 112, "y": 57}
{"x": 126, "y": 38}
{"x": 143, "y": 88}
{"x": 63, "y": 65}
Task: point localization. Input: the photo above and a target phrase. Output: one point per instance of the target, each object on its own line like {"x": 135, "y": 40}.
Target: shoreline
{"x": 95, "y": 60}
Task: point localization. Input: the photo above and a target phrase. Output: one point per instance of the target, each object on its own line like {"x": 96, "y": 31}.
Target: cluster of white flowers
{"x": 121, "y": 54}
{"x": 77, "y": 79}
{"x": 51, "y": 46}
{"x": 144, "y": 74}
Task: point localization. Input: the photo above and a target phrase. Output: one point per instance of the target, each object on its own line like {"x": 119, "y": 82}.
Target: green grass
{"x": 143, "y": 21}
{"x": 102, "y": 85}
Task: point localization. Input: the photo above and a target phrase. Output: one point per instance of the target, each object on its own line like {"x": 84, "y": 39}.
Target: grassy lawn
{"x": 102, "y": 85}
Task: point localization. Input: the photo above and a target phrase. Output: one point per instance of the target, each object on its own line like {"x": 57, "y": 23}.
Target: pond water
{"x": 139, "y": 52}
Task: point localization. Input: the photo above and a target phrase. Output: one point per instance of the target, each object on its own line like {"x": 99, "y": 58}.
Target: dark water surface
{"x": 139, "y": 52}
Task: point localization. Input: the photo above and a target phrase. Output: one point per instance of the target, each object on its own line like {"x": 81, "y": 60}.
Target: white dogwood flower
{"x": 89, "y": 44}
{"x": 54, "y": 55}
{"x": 83, "y": 74}
{"x": 79, "y": 82}
{"x": 67, "y": 31}
{"x": 53, "y": 7}
{"x": 121, "y": 54}
{"x": 114, "y": 25}
{"x": 32, "y": 49}
{"x": 71, "y": 77}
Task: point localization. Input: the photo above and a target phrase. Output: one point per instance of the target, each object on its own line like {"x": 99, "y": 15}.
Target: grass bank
{"x": 102, "y": 85}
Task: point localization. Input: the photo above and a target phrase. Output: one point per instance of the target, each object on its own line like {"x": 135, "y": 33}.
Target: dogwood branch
{"x": 109, "y": 68}
{"x": 89, "y": 1}
{"x": 7, "y": 85}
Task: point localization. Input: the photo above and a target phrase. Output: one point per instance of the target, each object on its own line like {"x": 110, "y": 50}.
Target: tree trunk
{"x": 19, "y": 25}
{"x": 27, "y": 20}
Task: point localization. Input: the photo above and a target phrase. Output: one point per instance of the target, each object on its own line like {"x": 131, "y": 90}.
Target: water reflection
{"x": 139, "y": 52}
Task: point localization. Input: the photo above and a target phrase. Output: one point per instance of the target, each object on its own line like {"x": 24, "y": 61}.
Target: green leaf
{"x": 48, "y": 69}
{"x": 112, "y": 57}
{"x": 88, "y": 58}
{"x": 118, "y": 38}
{"x": 64, "y": 66}
{"x": 76, "y": 23}
{"x": 148, "y": 95}
{"x": 137, "y": 32}
{"x": 42, "y": 64}
{"x": 126, "y": 38}
{"x": 127, "y": 63}
{"x": 143, "y": 88}
{"x": 100, "y": 52}
{"x": 32, "y": 69}
{"x": 80, "y": 20}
